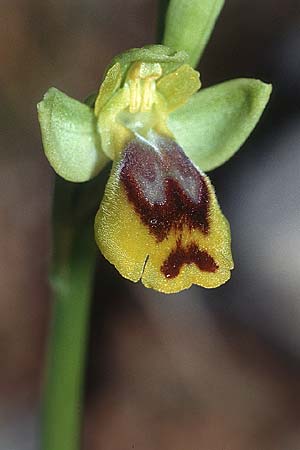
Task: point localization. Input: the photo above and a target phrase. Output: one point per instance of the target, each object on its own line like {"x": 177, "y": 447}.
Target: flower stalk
{"x": 73, "y": 264}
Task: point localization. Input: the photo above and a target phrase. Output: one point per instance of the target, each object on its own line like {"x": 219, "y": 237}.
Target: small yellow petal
{"x": 160, "y": 222}
{"x": 113, "y": 134}
{"x": 109, "y": 86}
{"x": 178, "y": 86}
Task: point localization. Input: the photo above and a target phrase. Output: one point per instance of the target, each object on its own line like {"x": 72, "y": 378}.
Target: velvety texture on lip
{"x": 160, "y": 221}
{"x": 165, "y": 188}
{"x": 189, "y": 255}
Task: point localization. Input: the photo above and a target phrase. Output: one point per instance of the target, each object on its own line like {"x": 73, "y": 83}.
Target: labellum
{"x": 160, "y": 220}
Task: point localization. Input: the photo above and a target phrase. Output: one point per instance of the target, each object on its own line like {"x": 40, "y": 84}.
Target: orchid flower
{"x": 159, "y": 220}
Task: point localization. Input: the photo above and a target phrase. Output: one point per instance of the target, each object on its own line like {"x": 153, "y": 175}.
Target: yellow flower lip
{"x": 159, "y": 220}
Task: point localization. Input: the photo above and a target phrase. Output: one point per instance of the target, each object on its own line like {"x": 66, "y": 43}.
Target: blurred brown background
{"x": 200, "y": 370}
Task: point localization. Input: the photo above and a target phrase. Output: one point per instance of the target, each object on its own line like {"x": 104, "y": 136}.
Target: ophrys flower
{"x": 159, "y": 220}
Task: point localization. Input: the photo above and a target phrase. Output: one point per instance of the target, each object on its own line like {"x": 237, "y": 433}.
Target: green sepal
{"x": 216, "y": 121}
{"x": 70, "y": 137}
{"x": 189, "y": 24}
{"x": 168, "y": 58}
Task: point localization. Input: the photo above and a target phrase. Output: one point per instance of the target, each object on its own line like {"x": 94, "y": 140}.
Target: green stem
{"x": 161, "y": 17}
{"x": 72, "y": 276}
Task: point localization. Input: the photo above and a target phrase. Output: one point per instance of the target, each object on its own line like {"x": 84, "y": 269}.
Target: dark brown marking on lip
{"x": 190, "y": 255}
{"x": 165, "y": 188}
